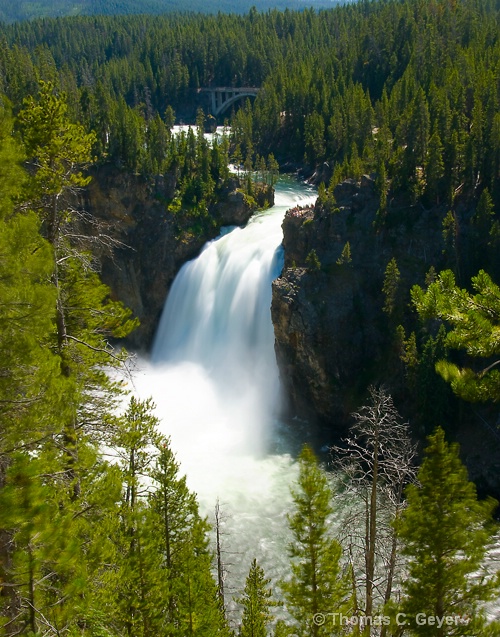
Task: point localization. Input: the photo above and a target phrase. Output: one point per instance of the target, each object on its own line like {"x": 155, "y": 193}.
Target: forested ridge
{"x": 92, "y": 545}
{"x": 392, "y": 83}
{"x": 13, "y": 11}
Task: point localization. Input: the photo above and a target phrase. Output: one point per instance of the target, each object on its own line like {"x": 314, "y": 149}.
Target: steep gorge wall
{"x": 333, "y": 338}
{"x": 331, "y": 332}
{"x": 148, "y": 243}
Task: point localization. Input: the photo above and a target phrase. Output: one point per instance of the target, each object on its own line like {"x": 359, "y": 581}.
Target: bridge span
{"x": 222, "y": 97}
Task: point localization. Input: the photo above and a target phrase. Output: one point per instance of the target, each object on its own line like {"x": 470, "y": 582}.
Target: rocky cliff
{"x": 331, "y": 332}
{"x": 148, "y": 244}
{"x": 333, "y": 337}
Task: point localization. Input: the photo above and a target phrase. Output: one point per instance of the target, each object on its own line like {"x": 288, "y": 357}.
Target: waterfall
{"x": 217, "y": 316}
{"x": 214, "y": 347}
{"x": 214, "y": 379}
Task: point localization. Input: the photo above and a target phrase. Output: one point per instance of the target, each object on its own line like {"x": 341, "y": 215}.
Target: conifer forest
{"x": 390, "y": 109}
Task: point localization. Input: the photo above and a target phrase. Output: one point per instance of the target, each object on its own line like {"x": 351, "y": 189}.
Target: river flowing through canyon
{"x": 214, "y": 379}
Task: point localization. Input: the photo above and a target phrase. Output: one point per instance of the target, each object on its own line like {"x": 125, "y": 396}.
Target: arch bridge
{"x": 221, "y": 97}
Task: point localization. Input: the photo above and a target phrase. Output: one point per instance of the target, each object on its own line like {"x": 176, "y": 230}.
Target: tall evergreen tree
{"x": 83, "y": 316}
{"x": 256, "y": 602}
{"x": 192, "y": 605}
{"x": 445, "y": 532}
{"x": 136, "y": 589}
{"x": 318, "y": 585}
{"x": 28, "y": 370}
{"x": 391, "y": 286}
{"x": 434, "y": 168}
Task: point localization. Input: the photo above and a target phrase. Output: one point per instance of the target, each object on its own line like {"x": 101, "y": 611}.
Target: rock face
{"x": 331, "y": 332}
{"x": 332, "y": 337}
{"x": 150, "y": 243}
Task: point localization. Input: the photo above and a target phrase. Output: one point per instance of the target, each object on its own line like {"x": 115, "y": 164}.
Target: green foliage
{"x": 159, "y": 580}
{"x": 191, "y": 606}
{"x": 473, "y": 322}
{"x": 56, "y": 143}
{"x": 312, "y": 261}
{"x": 406, "y": 90}
{"x": 282, "y": 630}
{"x": 422, "y": 114}
{"x": 445, "y": 532}
{"x": 424, "y": 109}
{"x": 450, "y": 237}
{"x": 314, "y": 137}
{"x": 256, "y": 602}
{"x": 484, "y": 212}
{"x": 318, "y": 584}
{"x": 47, "y": 560}
{"x": 345, "y": 256}
{"x": 434, "y": 168}
{"x": 322, "y": 194}
{"x": 272, "y": 169}
{"x": 390, "y": 288}
{"x": 83, "y": 316}
{"x": 28, "y": 371}
{"x": 433, "y": 395}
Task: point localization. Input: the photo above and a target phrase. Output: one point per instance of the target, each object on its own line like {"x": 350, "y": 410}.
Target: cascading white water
{"x": 218, "y": 317}
{"x": 214, "y": 379}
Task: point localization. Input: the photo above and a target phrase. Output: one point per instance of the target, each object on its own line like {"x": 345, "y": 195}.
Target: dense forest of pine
{"x": 406, "y": 90}
{"x": 12, "y": 11}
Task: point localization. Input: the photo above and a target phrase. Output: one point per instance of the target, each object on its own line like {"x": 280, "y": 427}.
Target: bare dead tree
{"x": 375, "y": 464}
{"x": 219, "y": 522}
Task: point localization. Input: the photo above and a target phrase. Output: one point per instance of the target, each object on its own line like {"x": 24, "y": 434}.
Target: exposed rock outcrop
{"x": 331, "y": 332}
{"x": 333, "y": 338}
{"x": 150, "y": 243}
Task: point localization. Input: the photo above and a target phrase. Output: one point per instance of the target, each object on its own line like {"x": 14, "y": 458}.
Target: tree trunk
{"x": 220, "y": 565}
{"x": 372, "y": 538}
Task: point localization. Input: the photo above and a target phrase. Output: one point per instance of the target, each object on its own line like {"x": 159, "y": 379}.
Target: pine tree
{"x": 473, "y": 321}
{"x": 451, "y": 234}
{"x": 484, "y": 213}
{"x": 317, "y": 585}
{"x": 345, "y": 256}
{"x": 28, "y": 369}
{"x": 283, "y": 630}
{"x": 482, "y": 228}
{"x": 30, "y": 391}
{"x": 445, "y": 532}
{"x": 312, "y": 261}
{"x": 390, "y": 287}
{"x": 273, "y": 169}
{"x": 434, "y": 168}
{"x": 191, "y": 606}
{"x": 136, "y": 588}
{"x": 57, "y": 550}
{"x": 256, "y": 602}
{"x": 84, "y": 316}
